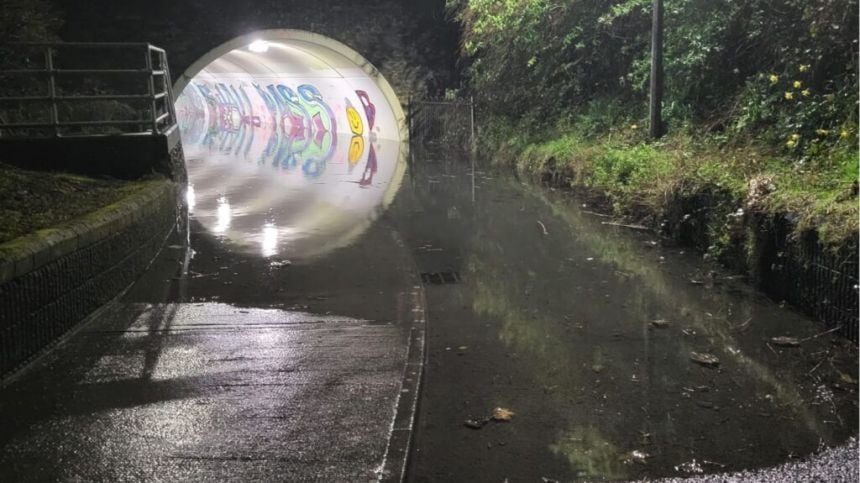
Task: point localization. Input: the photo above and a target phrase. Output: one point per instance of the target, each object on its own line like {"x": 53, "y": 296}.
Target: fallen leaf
{"x": 707, "y": 360}
{"x": 502, "y": 414}
{"x": 846, "y": 378}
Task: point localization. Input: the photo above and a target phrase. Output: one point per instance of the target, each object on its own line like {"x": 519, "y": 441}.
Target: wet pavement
{"x": 265, "y": 352}
{"x": 287, "y": 344}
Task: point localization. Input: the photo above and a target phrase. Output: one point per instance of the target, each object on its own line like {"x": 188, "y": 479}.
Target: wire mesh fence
{"x": 447, "y": 125}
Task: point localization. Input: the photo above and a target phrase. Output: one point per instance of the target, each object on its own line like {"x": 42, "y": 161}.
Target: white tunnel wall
{"x": 295, "y": 84}
{"x": 289, "y": 136}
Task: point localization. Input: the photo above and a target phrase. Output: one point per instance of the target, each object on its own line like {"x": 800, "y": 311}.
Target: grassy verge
{"x": 33, "y": 200}
{"x": 639, "y": 176}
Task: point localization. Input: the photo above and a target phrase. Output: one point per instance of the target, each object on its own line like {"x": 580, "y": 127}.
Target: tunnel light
{"x": 259, "y": 46}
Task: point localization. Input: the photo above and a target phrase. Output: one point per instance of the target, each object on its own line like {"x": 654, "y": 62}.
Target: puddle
{"x": 617, "y": 364}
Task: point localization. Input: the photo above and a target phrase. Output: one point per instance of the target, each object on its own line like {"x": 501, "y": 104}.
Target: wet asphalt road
{"x": 276, "y": 349}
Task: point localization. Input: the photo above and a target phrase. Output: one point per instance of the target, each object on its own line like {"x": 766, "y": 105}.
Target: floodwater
{"x": 590, "y": 333}
{"x": 281, "y": 337}
{"x": 620, "y": 356}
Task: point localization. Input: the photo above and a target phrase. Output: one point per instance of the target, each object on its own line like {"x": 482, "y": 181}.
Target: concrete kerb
{"x": 29, "y": 252}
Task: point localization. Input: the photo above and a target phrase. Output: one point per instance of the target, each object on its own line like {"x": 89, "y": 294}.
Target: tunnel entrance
{"x": 294, "y": 142}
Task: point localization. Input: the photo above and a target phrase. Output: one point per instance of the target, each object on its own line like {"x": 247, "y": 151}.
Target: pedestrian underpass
{"x": 308, "y": 106}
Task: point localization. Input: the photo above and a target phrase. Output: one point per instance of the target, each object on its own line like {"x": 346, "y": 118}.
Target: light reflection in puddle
{"x": 270, "y": 240}
{"x": 224, "y": 216}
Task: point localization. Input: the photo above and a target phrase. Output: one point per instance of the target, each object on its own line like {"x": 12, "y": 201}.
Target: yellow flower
{"x": 634, "y": 127}
{"x": 822, "y": 132}
{"x": 805, "y": 92}
{"x": 773, "y": 78}
{"x": 789, "y": 96}
{"x": 804, "y": 67}
{"x": 790, "y": 144}
{"x": 797, "y": 84}
{"x": 844, "y": 134}
{"x": 794, "y": 137}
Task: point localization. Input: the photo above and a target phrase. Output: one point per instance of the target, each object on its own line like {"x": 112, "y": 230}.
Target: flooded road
{"x": 621, "y": 358}
{"x": 283, "y": 336}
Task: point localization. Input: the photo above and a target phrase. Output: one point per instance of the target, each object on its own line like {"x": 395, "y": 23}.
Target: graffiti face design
{"x": 355, "y": 123}
{"x": 356, "y": 149}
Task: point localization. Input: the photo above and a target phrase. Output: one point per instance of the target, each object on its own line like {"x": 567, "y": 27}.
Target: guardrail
{"x": 153, "y": 76}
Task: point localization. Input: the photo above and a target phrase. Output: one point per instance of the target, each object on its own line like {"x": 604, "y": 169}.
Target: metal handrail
{"x": 161, "y": 114}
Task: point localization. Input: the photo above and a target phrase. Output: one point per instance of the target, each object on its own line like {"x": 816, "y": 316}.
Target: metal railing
{"x": 153, "y": 76}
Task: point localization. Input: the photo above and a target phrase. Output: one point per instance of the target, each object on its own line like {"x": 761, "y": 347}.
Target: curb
{"x": 30, "y": 252}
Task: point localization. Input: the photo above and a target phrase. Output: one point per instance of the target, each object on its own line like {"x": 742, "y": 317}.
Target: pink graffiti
{"x": 369, "y": 108}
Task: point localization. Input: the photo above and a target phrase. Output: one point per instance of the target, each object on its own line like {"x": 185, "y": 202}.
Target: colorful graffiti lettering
{"x": 288, "y": 127}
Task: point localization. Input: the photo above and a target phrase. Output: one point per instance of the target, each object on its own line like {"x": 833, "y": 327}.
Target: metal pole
{"x": 151, "y": 86}
{"x": 473, "y": 147}
{"x": 168, "y": 88}
{"x": 52, "y": 90}
{"x": 656, "y": 91}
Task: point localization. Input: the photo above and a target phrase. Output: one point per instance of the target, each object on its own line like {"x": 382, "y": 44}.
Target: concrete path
{"x": 226, "y": 363}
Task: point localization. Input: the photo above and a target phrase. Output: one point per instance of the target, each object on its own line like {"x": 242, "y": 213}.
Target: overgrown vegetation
{"x": 761, "y": 100}
{"x": 33, "y": 200}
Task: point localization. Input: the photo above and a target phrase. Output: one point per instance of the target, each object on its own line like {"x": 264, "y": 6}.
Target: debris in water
{"x": 846, "y": 378}
{"x": 696, "y": 282}
{"x": 785, "y": 341}
{"x": 502, "y": 414}
{"x": 622, "y": 225}
{"x": 635, "y": 456}
{"x": 597, "y": 368}
{"x": 690, "y": 467}
{"x": 659, "y": 323}
{"x": 707, "y": 360}
{"x": 174, "y": 247}
{"x": 544, "y": 479}
{"x": 280, "y": 263}
{"x": 543, "y": 227}
{"x": 475, "y": 423}
{"x": 688, "y": 331}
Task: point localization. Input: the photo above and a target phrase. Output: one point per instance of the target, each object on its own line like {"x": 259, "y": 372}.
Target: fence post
{"x": 168, "y": 86}
{"x": 472, "y": 141}
{"x": 151, "y": 86}
{"x": 52, "y": 90}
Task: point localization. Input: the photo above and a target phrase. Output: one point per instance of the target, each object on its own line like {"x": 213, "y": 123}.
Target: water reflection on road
{"x": 587, "y": 332}
{"x": 276, "y": 193}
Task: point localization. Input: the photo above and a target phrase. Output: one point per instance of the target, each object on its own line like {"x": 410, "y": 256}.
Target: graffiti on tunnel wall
{"x": 277, "y": 124}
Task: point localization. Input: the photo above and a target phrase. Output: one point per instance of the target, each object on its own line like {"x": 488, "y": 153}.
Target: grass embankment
{"x": 640, "y": 176}
{"x": 33, "y": 200}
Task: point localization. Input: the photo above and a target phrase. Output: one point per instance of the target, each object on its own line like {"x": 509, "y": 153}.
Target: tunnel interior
{"x": 294, "y": 143}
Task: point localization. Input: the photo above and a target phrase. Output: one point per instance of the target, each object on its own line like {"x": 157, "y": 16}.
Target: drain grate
{"x": 440, "y": 278}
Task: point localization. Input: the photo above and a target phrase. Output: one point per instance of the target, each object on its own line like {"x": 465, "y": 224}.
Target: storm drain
{"x": 440, "y": 278}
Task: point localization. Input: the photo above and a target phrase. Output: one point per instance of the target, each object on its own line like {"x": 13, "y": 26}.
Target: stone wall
{"x": 412, "y": 43}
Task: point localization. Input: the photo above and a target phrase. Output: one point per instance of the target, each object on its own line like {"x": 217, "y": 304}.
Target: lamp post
{"x": 656, "y": 90}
